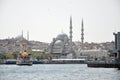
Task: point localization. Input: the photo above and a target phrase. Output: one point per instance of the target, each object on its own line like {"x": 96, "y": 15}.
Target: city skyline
{"x": 45, "y": 19}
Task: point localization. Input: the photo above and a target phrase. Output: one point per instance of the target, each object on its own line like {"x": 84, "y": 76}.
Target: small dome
{"x": 62, "y": 36}
{"x": 59, "y": 42}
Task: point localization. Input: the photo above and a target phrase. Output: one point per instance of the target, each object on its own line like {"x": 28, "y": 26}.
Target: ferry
{"x": 24, "y": 59}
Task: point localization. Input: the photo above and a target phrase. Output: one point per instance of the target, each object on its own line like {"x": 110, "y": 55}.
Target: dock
{"x": 53, "y": 61}
{"x": 104, "y": 65}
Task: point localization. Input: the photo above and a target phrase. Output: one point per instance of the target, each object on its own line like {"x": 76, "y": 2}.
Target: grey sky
{"x": 45, "y": 19}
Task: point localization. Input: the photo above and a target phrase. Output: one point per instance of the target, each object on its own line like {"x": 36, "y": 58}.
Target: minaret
{"x": 28, "y": 35}
{"x": 70, "y": 33}
{"x": 22, "y": 35}
{"x": 82, "y": 33}
{"x": 23, "y": 43}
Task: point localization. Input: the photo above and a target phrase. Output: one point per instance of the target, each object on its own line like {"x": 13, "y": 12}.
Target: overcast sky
{"x": 45, "y": 19}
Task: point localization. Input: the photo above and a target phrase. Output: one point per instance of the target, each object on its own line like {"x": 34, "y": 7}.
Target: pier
{"x": 103, "y": 65}
{"x": 53, "y": 61}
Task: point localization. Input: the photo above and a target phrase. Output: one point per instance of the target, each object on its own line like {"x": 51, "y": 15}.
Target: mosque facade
{"x": 62, "y": 47}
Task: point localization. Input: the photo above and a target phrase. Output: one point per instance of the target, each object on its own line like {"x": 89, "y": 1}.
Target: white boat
{"x": 24, "y": 59}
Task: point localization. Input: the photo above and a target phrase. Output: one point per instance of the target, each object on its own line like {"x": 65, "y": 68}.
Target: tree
{"x": 110, "y": 53}
{"x": 48, "y": 56}
{"x": 40, "y": 55}
{"x": 38, "y": 58}
{"x": 2, "y": 56}
{"x": 15, "y": 54}
{"x": 9, "y": 56}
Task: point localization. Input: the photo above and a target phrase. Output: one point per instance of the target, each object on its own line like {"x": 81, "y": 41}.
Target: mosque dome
{"x": 20, "y": 38}
{"x": 62, "y": 36}
{"x": 59, "y": 43}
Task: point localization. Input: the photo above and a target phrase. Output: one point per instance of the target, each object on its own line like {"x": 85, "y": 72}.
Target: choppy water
{"x": 57, "y": 72}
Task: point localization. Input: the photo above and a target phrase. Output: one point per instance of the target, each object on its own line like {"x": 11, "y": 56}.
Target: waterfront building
{"x": 117, "y": 45}
{"x": 95, "y": 53}
{"x": 118, "y": 41}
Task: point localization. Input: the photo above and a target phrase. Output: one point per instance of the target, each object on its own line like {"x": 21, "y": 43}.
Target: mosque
{"x": 62, "y": 47}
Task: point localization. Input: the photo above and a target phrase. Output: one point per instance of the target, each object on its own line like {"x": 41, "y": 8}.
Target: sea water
{"x": 57, "y": 72}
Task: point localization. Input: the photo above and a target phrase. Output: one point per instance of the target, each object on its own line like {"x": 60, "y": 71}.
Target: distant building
{"x": 98, "y": 53}
{"x": 15, "y": 45}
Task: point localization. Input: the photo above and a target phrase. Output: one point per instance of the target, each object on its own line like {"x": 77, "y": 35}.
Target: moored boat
{"x": 24, "y": 59}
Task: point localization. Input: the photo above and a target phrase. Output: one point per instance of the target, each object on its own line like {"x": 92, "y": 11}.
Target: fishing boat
{"x": 24, "y": 59}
